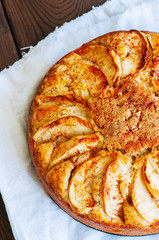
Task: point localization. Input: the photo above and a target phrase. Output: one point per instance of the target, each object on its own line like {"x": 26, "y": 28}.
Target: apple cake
{"x": 94, "y": 133}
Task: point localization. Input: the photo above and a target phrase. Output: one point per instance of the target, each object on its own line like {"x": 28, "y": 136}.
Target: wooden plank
{"x": 32, "y": 20}
{"x": 8, "y": 49}
{"x": 5, "y": 229}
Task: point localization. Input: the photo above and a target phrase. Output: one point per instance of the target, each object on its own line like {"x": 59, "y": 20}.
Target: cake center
{"x": 129, "y": 119}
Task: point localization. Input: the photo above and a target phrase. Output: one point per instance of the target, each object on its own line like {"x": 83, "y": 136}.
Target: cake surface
{"x": 94, "y": 133}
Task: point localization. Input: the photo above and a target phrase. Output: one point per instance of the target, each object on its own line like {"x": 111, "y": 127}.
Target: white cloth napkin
{"x": 32, "y": 213}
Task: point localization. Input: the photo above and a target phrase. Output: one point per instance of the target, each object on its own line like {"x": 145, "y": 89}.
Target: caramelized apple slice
{"x": 132, "y": 217}
{"x": 154, "y": 42}
{"x": 151, "y": 173}
{"x": 73, "y": 75}
{"x": 103, "y": 57}
{"x": 56, "y": 82}
{"x": 97, "y": 214}
{"x": 42, "y": 156}
{"x": 142, "y": 199}
{"x": 112, "y": 198}
{"x": 70, "y": 57}
{"x": 77, "y": 144}
{"x": 153, "y": 39}
{"x": 87, "y": 79}
{"x": 131, "y": 47}
{"x": 46, "y": 113}
{"x": 105, "y": 159}
{"x": 124, "y": 186}
{"x": 80, "y": 158}
{"x": 84, "y": 191}
{"x": 66, "y": 126}
{"x": 58, "y": 178}
{"x": 64, "y": 100}
{"x": 59, "y": 175}
{"x": 80, "y": 190}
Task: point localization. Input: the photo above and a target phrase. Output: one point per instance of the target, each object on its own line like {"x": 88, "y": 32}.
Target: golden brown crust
{"x": 93, "y": 133}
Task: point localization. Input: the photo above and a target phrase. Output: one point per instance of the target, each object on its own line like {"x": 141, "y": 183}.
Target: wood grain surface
{"x": 5, "y": 229}
{"x": 24, "y": 23}
{"x": 8, "y": 49}
{"x": 41, "y": 17}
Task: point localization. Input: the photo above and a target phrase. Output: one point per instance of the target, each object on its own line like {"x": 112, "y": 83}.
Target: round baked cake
{"x": 94, "y": 133}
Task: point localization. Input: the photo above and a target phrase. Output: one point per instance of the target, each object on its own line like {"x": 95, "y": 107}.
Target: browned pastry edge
{"x": 105, "y": 227}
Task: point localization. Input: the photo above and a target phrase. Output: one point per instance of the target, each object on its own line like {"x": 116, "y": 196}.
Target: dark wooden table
{"x": 23, "y": 23}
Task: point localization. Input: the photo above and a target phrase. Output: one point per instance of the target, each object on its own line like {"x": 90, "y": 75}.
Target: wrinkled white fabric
{"x": 32, "y": 213}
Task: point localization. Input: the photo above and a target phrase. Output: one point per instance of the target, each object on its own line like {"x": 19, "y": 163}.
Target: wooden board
{"x": 32, "y": 20}
{"x": 5, "y": 229}
{"x": 9, "y": 53}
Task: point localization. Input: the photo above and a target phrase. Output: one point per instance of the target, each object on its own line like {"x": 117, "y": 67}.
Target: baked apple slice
{"x": 132, "y": 48}
{"x": 67, "y": 126}
{"x": 151, "y": 173}
{"x": 59, "y": 175}
{"x": 42, "y": 155}
{"x": 46, "y": 113}
{"x": 80, "y": 192}
{"x": 76, "y": 145}
{"x": 85, "y": 183}
{"x": 56, "y": 84}
{"x": 82, "y": 157}
{"x": 132, "y": 217}
{"x": 105, "y": 58}
{"x": 97, "y": 214}
{"x": 153, "y": 39}
{"x": 142, "y": 199}
{"x": 87, "y": 79}
{"x": 64, "y": 100}
{"x": 112, "y": 197}
{"x": 58, "y": 178}
{"x": 57, "y": 81}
